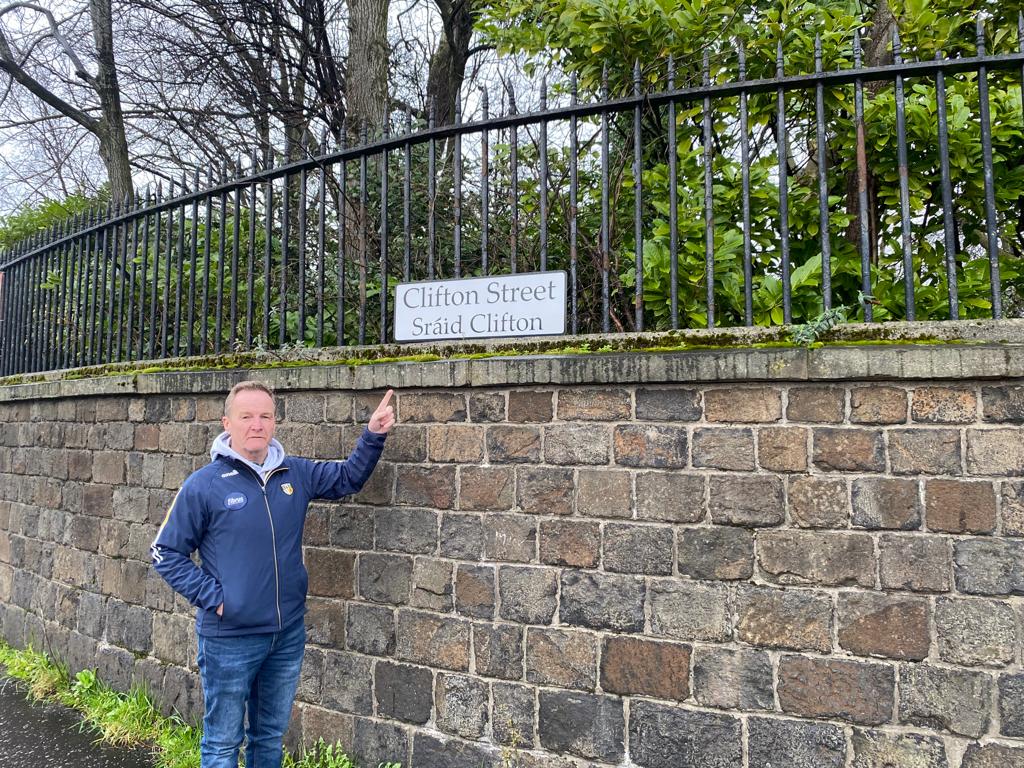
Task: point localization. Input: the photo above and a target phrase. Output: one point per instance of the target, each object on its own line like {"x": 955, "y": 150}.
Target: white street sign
{"x": 530, "y": 304}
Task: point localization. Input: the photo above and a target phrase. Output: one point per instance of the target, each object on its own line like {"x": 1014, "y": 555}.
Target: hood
{"x": 275, "y": 454}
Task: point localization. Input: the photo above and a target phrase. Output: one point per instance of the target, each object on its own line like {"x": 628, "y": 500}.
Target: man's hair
{"x": 242, "y": 386}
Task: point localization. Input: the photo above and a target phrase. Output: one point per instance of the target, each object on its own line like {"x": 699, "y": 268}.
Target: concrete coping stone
{"x": 894, "y": 351}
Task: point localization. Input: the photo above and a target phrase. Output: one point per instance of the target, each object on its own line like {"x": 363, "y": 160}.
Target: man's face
{"x": 250, "y": 422}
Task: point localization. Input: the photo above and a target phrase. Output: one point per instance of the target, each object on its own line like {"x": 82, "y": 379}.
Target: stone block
{"x": 690, "y": 610}
{"x": 510, "y": 538}
{"x": 989, "y": 566}
{"x": 486, "y": 488}
{"x": 882, "y": 502}
{"x": 319, "y": 723}
{"x": 715, "y": 553}
{"x": 530, "y": 407}
{"x": 925, "y": 451}
{"x": 461, "y": 536}
{"x": 486, "y": 407}
{"x": 878, "y": 405}
{"x": 461, "y": 703}
{"x": 422, "y": 486}
{"x": 572, "y": 543}
{"x": 498, "y": 649}
{"x": 945, "y": 699}
{"x": 960, "y": 506}
{"x": 80, "y": 465}
{"x": 325, "y": 622}
{"x": 818, "y": 502}
{"x": 818, "y": 404}
{"x": 646, "y": 549}
{"x": 879, "y": 749}
{"x": 944, "y": 405}
{"x": 604, "y": 404}
{"x": 642, "y": 445}
{"x": 1011, "y": 704}
{"x": 544, "y": 490}
{"x": 403, "y": 692}
{"x": 474, "y": 591}
{"x": 794, "y": 619}
{"x": 772, "y": 741}
{"x": 172, "y": 635}
{"x": 513, "y": 445}
{"x": 305, "y": 407}
{"x": 831, "y": 689}
{"x": 1003, "y": 403}
{"x": 1011, "y": 509}
{"x": 644, "y": 667}
{"x": 729, "y": 679}
{"x": 421, "y": 407}
{"x": 370, "y": 629}
{"x": 745, "y": 405}
{"x": 438, "y": 752}
{"x": 108, "y": 467}
{"x": 723, "y": 448}
{"x": 406, "y": 445}
{"x": 995, "y": 452}
{"x": 331, "y": 573}
{"x": 458, "y": 443}
{"x": 975, "y": 632}
{"x": 602, "y": 601}
{"x": 528, "y": 595}
{"x": 347, "y": 683}
{"x": 782, "y": 449}
{"x": 351, "y": 527}
{"x": 84, "y": 532}
{"x": 667, "y": 736}
{"x": 115, "y": 667}
{"x": 375, "y": 742}
{"x": 432, "y": 585}
{"x": 805, "y": 557}
{"x": 993, "y": 756}
{"x": 915, "y": 562}
{"x": 435, "y": 641}
{"x": 746, "y": 500}
{"x": 561, "y": 658}
{"x": 672, "y": 497}
{"x": 385, "y": 578}
{"x": 883, "y": 625}
{"x": 515, "y": 712}
{"x": 587, "y": 725}
{"x": 848, "y": 450}
{"x": 573, "y": 444}
{"x": 668, "y": 404}
{"x": 604, "y": 493}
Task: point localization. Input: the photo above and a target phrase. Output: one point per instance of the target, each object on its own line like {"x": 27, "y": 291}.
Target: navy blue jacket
{"x": 249, "y": 537}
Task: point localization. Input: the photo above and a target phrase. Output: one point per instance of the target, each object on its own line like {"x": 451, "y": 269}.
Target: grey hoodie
{"x": 275, "y": 454}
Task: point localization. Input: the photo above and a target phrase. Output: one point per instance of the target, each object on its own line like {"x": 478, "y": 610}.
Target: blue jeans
{"x": 249, "y": 678}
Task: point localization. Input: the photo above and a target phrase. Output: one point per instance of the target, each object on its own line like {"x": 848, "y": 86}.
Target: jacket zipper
{"x": 273, "y": 540}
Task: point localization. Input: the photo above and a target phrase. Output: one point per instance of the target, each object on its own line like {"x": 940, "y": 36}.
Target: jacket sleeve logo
{"x": 235, "y": 500}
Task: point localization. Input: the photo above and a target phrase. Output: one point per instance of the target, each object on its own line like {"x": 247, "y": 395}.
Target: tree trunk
{"x": 448, "y": 64}
{"x": 366, "y": 74}
{"x": 876, "y": 53}
{"x": 111, "y": 133}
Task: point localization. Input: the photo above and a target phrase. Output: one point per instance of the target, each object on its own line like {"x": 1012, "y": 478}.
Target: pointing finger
{"x": 387, "y": 397}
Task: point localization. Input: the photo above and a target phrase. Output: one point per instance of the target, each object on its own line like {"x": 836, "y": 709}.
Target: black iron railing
{"x": 723, "y": 202}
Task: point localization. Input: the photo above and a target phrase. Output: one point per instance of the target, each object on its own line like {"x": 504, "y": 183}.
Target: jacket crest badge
{"x": 287, "y": 488}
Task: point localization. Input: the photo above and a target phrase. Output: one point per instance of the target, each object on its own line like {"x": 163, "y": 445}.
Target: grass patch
{"x": 132, "y": 719}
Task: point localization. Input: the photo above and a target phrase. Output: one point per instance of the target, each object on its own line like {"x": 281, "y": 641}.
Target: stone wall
{"x": 710, "y": 559}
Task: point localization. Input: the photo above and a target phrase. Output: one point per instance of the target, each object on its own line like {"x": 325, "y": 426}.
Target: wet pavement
{"x": 36, "y": 735}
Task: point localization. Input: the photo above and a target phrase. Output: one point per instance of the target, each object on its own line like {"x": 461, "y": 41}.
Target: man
{"x": 244, "y": 512}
